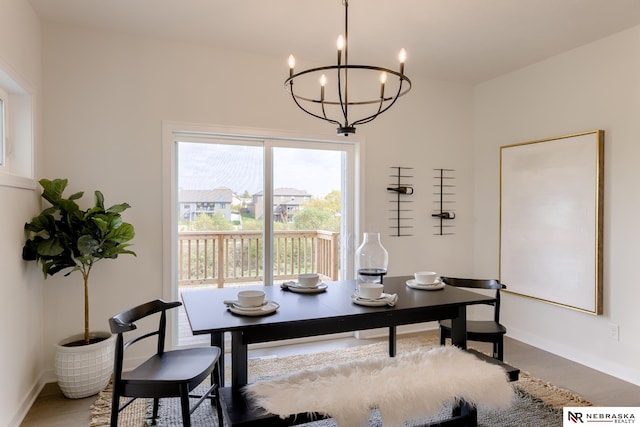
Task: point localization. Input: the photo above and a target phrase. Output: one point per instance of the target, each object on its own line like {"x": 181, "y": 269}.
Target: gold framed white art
{"x": 551, "y": 209}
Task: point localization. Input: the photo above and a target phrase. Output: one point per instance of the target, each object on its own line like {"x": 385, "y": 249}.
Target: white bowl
{"x": 309, "y": 280}
{"x": 370, "y": 290}
{"x": 250, "y": 298}
{"x": 426, "y": 277}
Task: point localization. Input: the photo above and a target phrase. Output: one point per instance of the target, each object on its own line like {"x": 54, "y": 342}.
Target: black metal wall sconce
{"x": 401, "y": 211}
{"x": 445, "y": 192}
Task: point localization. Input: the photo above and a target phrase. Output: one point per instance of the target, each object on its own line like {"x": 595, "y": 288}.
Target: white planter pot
{"x": 84, "y": 370}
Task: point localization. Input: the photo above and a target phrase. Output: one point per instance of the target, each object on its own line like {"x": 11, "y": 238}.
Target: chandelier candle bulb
{"x": 340, "y": 44}
{"x": 292, "y": 64}
{"x": 323, "y": 82}
{"x": 383, "y": 80}
{"x": 403, "y": 57}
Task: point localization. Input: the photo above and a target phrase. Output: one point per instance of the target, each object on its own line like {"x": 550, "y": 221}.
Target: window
{"x": 3, "y": 98}
{"x": 294, "y": 209}
{"x": 16, "y": 132}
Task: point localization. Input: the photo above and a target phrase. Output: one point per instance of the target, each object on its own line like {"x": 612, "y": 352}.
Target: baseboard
{"x": 602, "y": 365}
{"x": 27, "y": 402}
{"x": 404, "y": 329}
{"x": 227, "y": 344}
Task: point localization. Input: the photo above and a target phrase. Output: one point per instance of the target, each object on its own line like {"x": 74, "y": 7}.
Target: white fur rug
{"x": 411, "y": 386}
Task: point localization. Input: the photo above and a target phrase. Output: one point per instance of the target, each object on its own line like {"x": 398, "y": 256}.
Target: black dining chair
{"x": 173, "y": 373}
{"x": 490, "y": 331}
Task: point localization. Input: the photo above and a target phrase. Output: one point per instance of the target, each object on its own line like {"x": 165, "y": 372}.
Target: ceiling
{"x": 466, "y": 41}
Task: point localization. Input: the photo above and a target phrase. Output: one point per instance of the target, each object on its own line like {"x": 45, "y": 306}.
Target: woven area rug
{"x": 539, "y": 404}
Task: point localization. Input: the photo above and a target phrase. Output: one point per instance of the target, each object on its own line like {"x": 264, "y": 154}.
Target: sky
{"x": 204, "y": 166}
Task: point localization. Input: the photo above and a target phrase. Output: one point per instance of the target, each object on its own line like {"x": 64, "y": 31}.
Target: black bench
{"x": 242, "y": 413}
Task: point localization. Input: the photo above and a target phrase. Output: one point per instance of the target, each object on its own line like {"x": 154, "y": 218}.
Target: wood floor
{"x": 52, "y": 409}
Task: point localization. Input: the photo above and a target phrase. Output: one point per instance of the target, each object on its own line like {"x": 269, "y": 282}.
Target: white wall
{"x": 22, "y": 312}
{"x": 594, "y": 87}
{"x": 106, "y": 96}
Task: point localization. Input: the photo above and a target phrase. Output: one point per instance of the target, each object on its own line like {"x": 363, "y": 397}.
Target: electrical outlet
{"x": 614, "y": 331}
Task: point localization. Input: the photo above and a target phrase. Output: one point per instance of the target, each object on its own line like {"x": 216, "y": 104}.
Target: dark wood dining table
{"x": 333, "y": 311}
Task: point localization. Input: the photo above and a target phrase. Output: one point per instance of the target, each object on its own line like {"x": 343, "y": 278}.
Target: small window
{"x": 16, "y": 132}
{"x": 3, "y": 138}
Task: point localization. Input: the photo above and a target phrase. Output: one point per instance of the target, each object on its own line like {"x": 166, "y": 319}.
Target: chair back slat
{"x": 473, "y": 283}
{"x": 125, "y": 321}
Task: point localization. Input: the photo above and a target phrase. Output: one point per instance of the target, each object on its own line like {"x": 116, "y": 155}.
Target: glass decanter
{"x": 371, "y": 259}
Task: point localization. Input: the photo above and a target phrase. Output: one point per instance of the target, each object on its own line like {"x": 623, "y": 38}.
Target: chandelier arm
{"x": 371, "y": 117}
{"x": 343, "y": 105}
{"x": 324, "y": 113}
{"x": 325, "y": 118}
{"x": 401, "y": 77}
{"x": 380, "y": 110}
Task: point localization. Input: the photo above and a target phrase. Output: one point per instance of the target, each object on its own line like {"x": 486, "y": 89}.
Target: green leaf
{"x": 114, "y": 251}
{"x": 115, "y": 221}
{"x": 122, "y": 234}
{"x": 50, "y": 248}
{"x": 53, "y": 189}
{"x": 93, "y": 211}
{"x": 99, "y": 199}
{"x": 39, "y": 223}
{"x": 30, "y": 250}
{"x": 102, "y": 225}
{"x": 68, "y": 206}
{"x": 119, "y": 208}
{"x": 87, "y": 245}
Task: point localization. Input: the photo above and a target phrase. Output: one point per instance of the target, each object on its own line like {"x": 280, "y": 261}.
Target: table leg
{"x": 467, "y": 412}
{"x": 217, "y": 340}
{"x": 392, "y": 341}
{"x": 239, "y": 356}
{"x": 459, "y": 328}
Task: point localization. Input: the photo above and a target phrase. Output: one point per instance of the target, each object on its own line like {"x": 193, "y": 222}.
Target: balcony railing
{"x": 219, "y": 257}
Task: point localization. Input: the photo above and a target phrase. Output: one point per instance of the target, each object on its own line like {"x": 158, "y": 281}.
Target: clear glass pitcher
{"x": 371, "y": 259}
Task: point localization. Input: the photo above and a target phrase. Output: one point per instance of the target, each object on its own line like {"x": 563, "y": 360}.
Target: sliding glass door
{"x": 252, "y": 210}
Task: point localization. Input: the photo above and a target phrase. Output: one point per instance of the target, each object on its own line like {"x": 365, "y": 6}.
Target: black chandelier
{"x": 336, "y": 110}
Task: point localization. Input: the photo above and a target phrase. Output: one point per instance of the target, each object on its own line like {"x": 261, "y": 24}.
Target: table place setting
{"x": 251, "y": 303}
{"x": 306, "y": 284}
{"x": 425, "y": 280}
{"x": 372, "y": 295}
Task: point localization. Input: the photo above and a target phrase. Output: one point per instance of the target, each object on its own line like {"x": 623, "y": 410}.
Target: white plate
{"x": 295, "y": 287}
{"x": 371, "y": 302}
{"x": 268, "y": 308}
{"x": 431, "y": 287}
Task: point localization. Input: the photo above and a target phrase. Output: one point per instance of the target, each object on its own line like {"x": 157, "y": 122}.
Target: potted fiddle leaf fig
{"x": 65, "y": 238}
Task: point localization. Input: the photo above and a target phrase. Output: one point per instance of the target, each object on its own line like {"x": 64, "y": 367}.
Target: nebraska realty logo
{"x": 604, "y": 416}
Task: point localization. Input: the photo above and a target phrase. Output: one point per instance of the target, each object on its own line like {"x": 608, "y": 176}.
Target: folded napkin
{"x": 286, "y": 285}
{"x": 235, "y": 303}
{"x": 390, "y": 299}
{"x": 292, "y": 284}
